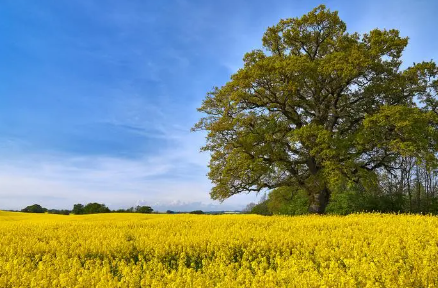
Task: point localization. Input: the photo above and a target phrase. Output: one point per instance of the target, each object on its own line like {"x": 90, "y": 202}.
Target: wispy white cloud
{"x": 172, "y": 179}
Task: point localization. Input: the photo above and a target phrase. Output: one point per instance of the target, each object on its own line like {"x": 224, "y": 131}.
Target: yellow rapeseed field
{"x": 135, "y": 250}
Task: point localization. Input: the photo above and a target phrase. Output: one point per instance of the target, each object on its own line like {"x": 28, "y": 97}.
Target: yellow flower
{"x": 134, "y": 250}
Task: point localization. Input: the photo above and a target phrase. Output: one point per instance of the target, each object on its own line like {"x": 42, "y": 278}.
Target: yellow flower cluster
{"x": 139, "y": 250}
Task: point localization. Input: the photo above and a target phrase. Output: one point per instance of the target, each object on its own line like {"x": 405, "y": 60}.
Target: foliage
{"x": 93, "y": 208}
{"x": 299, "y": 204}
{"x": 261, "y": 208}
{"x": 78, "y": 209}
{"x": 143, "y": 209}
{"x": 346, "y": 203}
{"x": 35, "y": 208}
{"x": 58, "y": 211}
{"x": 147, "y": 250}
{"x": 389, "y": 196}
{"x": 90, "y": 208}
{"x": 287, "y": 201}
{"x": 197, "y": 212}
{"x": 318, "y": 105}
{"x": 129, "y": 210}
{"x": 137, "y": 209}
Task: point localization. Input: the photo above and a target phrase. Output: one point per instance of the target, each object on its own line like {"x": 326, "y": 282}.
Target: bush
{"x": 288, "y": 201}
{"x": 345, "y": 203}
{"x": 299, "y": 204}
{"x": 261, "y": 208}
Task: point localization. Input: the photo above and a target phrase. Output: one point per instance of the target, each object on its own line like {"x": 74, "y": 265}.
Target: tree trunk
{"x": 418, "y": 190}
{"x": 319, "y": 201}
{"x": 410, "y": 194}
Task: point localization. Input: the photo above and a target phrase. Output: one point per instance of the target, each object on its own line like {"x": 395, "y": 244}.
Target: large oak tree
{"x": 318, "y": 104}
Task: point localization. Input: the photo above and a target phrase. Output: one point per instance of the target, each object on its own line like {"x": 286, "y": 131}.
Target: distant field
{"x": 132, "y": 250}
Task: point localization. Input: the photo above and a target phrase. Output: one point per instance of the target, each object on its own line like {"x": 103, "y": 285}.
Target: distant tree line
{"x": 137, "y": 209}
{"x": 410, "y": 185}
{"x": 90, "y": 208}
{"x": 95, "y": 208}
{"x": 191, "y": 212}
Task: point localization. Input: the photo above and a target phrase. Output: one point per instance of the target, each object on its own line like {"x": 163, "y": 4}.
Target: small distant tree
{"x": 170, "y": 212}
{"x": 197, "y": 212}
{"x": 143, "y": 209}
{"x": 78, "y": 209}
{"x": 35, "y": 208}
{"x": 93, "y": 208}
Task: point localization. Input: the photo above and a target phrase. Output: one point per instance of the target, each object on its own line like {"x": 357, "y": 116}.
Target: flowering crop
{"x": 132, "y": 250}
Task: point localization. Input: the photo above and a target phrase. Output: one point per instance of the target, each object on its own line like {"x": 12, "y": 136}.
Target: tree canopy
{"x": 316, "y": 105}
{"x": 35, "y": 208}
{"x": 144, "y": 209}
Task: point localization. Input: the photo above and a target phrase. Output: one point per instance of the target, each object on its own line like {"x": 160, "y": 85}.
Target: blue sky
{"x": 97, "y": 98}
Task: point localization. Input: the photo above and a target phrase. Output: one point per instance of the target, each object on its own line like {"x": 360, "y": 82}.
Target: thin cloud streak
{"x": 173, "y": 179}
